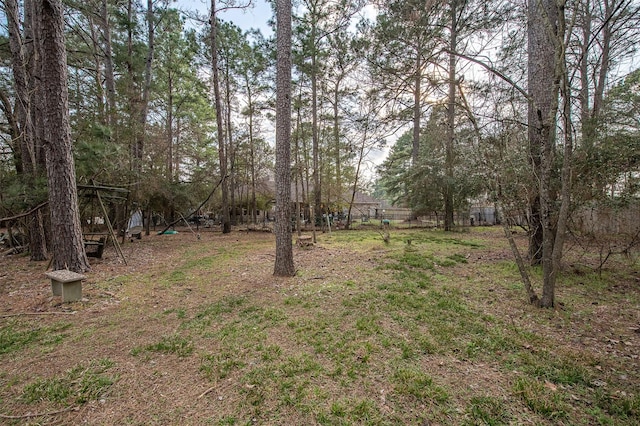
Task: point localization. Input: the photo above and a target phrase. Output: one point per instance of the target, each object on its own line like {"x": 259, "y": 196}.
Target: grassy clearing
{"x": 372, "y": 334}
{"x": 387, "y": 328}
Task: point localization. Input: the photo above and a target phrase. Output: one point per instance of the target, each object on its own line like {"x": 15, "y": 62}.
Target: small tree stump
{"x": 305, "y": 241}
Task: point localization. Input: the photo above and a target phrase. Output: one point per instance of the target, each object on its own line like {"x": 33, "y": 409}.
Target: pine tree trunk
{"x": 315, "y": 149}
{"x": 451, "y": 116}
{"x": 27, "y": 131}
{"x": 171, "y": 173}
{"x": 254, "y": 204}
{"x": 231, "y": 148}
{"x": 109, "y": 78}
{"x": 336, "y": 138}
{"x": 284, "y": 251}
{"x": 146, "y": 89}
{"x": 68, "y": 247}
{"x": 34, "y": 66}
{"x": 417, "y": 109}
{"x": 317, "y": 193}
{"x": 226, "y": 220}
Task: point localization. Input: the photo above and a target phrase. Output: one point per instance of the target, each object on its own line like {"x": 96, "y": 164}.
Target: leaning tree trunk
{"x": 284, "y": 251}
{"x": 68, "y": 247}
{"x": 356, "y": 177}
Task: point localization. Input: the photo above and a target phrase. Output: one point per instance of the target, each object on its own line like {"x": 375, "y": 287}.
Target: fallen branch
{"x": 13, "y": 250}
{"x": 30, "y": 415}
{"x": 37, "y": 313}
{"x": 18, "y": 216}
{"x": 206, "y": 392}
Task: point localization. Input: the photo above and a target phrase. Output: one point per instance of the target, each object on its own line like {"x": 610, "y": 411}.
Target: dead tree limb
{"x": 533, "y": 297}
{"x": 21, "y": 215}
{"x": 31, "y": 415}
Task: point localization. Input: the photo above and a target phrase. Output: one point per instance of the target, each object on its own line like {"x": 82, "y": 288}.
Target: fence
{"x": 605, "y": 220}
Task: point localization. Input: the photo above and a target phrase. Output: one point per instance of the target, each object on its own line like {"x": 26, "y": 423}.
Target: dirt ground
{"x": 143, "y": 389}
{"x": 117, "y": 318}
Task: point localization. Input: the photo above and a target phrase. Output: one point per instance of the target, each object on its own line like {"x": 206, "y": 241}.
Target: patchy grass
{"x": 487, "y": 410}
{"x": 172, "y": 344}
{"x": 80, "y": 384}
{"x": 17, "y": 335}
{"x": 434, "y": 331}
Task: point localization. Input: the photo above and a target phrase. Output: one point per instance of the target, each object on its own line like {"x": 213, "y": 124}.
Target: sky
{"x": 256, "y": 16}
